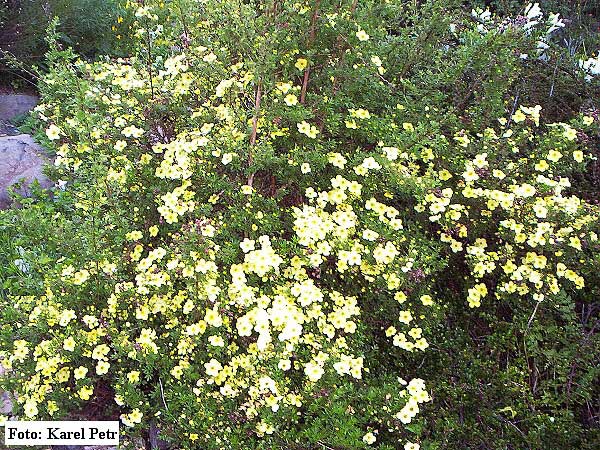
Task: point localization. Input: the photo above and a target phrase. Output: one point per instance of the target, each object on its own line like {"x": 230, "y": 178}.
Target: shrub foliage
{"x": 299, "y": 225}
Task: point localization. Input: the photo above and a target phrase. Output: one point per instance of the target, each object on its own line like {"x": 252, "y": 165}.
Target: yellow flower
{"x": 52, "y": 407}
{"x": 213, "y": 318}
{"x": 301, "y": 63}
{"x": 136, "y": 416}
{"x": 369, "y": 438}
{"x": 519, "y": 116}
{"x": 570, "y": 133}
{"x": 497, "y": 173}
{"x": 578, "y": 156}
{"x": 554, "y": 155}
{"x": 102, "y": 367}
{"x": 400, "y": 297}
{"x": 405, "y": 317}
{"x": 309, "y": 130}
{"x": 444, "y": 175}
{"x": 69, "y": 344}
{"x": 362, "y": 35}
{"x": 542, "y": 166}
{"x": 133, "y": 376}
{"x": 462, "y": 139}
{"x": 360, "y": 113}
{"x": 30, "y": 408}
{"x": 80, "y": 372}
{"x": 134, "y": 235}
{"x": 426, "y": 300}
{"x": 290, "y": 100}
{"x": 588, "y": 120}
{"x": 351, "y": 124}
{"x": 85, "y": 392}
{"x": 132, "y": 131}
{"x": 81, "y": 277}
{"x": 53, "y": 132}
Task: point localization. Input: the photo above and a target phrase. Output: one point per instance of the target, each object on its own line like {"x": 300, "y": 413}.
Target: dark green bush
{"x": 91, "y": 27}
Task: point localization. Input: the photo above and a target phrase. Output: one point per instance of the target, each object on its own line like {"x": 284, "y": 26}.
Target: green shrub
{"x": 292, "y": 226}
{"x": 91, "y": 27}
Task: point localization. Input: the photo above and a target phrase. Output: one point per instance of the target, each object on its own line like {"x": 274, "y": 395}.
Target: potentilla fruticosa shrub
{"x": 262, "y": 212}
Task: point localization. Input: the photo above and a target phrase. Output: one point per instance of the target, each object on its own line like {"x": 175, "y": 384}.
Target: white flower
{"x": 481, "y": 15}
{"x": 210, "y": 58}
{"x": 247, "y": 245}
{"x": 362, "y": 35}
{"x": 533, "y": 11}
{"x": 290, "y": 100}
{"x": 591, "y": 66}
{"x": 369, "y": 438}
{"x": 555, "y": 23}
{"x": 313, "y": 371}
{"x": 227, "y": 158}
{"x": 53, "y": 132}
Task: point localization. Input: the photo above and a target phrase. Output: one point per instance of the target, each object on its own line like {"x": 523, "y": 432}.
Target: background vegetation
{"x": 514, "y": 373}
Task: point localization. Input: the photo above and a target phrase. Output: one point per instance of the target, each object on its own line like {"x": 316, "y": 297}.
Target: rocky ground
{"x": 21, "y": 158}
{"x": 21, "y": 161}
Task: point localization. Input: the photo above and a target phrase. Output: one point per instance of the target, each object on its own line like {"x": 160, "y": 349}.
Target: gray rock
{"x": 13, "y": 105}
{"x": 6, "y": 405}
{"x": 6, "y": 128}
{"x": 20, "y": 158}
{"x": 5, "y": 401}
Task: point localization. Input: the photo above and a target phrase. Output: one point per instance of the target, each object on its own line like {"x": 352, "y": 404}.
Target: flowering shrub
{"x": 257, "y": 212}
{"x": 508, "y": 213}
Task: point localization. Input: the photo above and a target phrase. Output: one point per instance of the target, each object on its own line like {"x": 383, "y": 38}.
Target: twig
{"x": 162, "y": 394}
{"x": 515, "y": 427}
{"x": 254, "y": 129}
{"x": 255, "y": 118}
{"x": 304, "y": 85}
{"x": 311, "y": 39}
{"x": 554, "y": 77}
{"x": 532, "y": 315}
{"x": 514, "y": 107}
{"x": 322, "y": 444}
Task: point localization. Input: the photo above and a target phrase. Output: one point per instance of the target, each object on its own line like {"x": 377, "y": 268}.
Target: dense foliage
{"x": 91, "y": 27}
{"x": 315, "y": 225}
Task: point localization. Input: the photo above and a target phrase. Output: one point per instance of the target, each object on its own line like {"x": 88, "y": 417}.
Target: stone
{"x": 7, "y": 128}
{"x": 13, "y": 105}
{"x": 5, "y": 401}
{"x": 20, "y": 158}
{"x": 6, "y": 405}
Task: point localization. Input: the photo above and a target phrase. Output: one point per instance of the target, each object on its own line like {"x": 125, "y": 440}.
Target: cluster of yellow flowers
{"x": 538, "y": 227}
{"x": 200, "y": 294}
